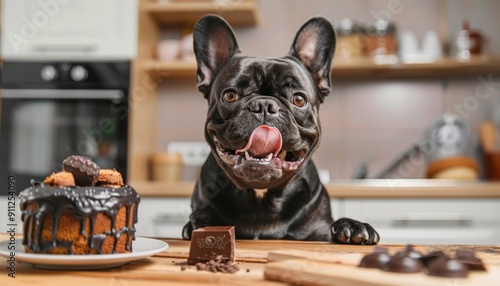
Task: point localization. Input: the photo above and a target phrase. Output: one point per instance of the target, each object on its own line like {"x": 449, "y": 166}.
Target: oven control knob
{"x": 49, "y": 73}
{"x": 78, "y": 73}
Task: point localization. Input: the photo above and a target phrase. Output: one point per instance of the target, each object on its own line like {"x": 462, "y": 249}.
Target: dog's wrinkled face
{"x": 262, "y": 123}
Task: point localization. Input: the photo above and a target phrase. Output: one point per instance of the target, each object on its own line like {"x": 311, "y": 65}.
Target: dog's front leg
{"x": 351, "y": 231}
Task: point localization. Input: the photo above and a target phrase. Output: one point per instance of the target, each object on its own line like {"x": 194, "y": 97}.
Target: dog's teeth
{"x": 247, "y": 156}
{"x": 282, "y": 154}
{"x": 269, "y": 157}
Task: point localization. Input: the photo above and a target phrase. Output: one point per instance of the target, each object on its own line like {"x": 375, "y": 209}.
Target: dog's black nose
{"x": 265, "y": 106}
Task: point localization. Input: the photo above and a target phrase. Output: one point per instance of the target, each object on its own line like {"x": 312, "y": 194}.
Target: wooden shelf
{"x": 360, "y": 68}
{"x": 240, "y": 13}
{"x": 170, "y": 69}
{"x": 357, "y": 189}
{"x": 440, "y": 68}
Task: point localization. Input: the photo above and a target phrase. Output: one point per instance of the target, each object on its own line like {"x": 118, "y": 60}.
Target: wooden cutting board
{"x": 302, "y": 267}
{"x": 318, "y": 273}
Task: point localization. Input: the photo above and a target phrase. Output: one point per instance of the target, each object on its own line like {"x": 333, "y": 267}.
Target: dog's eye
{"x": 231, "y": 96}
{"x": 299, "y": 100}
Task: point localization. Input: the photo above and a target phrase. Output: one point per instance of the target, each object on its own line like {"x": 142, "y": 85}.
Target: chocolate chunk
{"x": 211, "y": 242}
{"x": 377, "y": 259}
{"x": 469, "y": 258}
{"x": 445, "y": 267}
{"x": 403, "y": 264}
{"x": 84, "y": 170}
{"x": 217, "y": 265}
{"x": 427, "y": 258}
{"x": 409, "y": 251}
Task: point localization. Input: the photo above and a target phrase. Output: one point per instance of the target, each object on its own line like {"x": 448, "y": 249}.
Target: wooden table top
{"x": 251, "y": 258}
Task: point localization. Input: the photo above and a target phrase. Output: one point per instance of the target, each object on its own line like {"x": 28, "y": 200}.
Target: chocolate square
{"x": 212, "y": 241}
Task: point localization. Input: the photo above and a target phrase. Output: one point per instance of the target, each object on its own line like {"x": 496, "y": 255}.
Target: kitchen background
{"x": 400, "y": 66}
{"x": 366, "y": 119}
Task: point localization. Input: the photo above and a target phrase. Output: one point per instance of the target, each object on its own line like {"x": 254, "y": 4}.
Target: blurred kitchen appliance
{"x": 69, "y": 30}
{"x": 445, "y": 148}
{"x": 449, "y": 155}
{"x": 50, "y": 110}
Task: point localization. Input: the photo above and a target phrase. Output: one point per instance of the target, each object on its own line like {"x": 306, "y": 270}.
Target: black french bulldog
{"x": 262, "y": 128}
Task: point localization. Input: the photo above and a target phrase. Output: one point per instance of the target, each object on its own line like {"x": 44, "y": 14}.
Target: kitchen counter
{"x": 358, "y": 189}
{"x": 252, "y": 260}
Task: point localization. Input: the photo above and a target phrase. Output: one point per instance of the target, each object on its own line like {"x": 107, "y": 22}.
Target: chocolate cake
{"x": 78, "y": 219}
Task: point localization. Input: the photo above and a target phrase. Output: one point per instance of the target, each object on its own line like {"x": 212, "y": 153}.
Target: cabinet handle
{"x": 432, "y": 219}
{"x": 64, "y": 48}
{"x": 104, "y": 94}
{"x": 163, "y": 218}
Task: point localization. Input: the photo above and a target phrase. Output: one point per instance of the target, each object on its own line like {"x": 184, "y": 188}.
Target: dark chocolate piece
{"x": 84, "y": 170}
{"x": 469, "y": 258}
{"x": 410, "y": 251}
{"x": 445, "y": 267}
{"x": 427, "y": 258}
{"x": 210, "y": 242}
{"x": 377, "y": 259}
{"x": 403, "y": 264}
{"x": 83, "y": 202}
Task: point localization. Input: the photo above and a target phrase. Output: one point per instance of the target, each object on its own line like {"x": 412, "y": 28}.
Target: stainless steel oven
{"x": 52, "y": 110}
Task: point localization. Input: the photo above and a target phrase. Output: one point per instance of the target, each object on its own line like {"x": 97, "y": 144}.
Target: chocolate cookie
{"x": 60, "y": 179}
{"x": 109, "y": 178}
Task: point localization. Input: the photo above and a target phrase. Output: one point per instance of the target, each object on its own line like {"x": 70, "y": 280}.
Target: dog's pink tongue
{"x": 264, "y": 140}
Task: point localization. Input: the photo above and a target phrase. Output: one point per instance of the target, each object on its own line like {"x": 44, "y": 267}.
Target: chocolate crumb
{"x": 217, "y": 265}
{"x": 183, "y": 268}
{"x": 248, "y": 270}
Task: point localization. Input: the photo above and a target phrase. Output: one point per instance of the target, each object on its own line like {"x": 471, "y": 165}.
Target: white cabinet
{"x": 72, "y": 30}
{"x": 426, "y": 221}
{"x": 416, "y": 221}
{"x": 165, "y": 217}
{"x": 162, "y": 217}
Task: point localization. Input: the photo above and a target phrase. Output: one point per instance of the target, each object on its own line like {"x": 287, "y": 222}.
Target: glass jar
{"x": 350, "y": 42}
{"x": 380, "y": 38}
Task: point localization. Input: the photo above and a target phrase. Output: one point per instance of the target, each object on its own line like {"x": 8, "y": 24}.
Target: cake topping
{"x": 109, "y": 178}
{"x": 84, "y": 170}
{"x": 60, "y": 179}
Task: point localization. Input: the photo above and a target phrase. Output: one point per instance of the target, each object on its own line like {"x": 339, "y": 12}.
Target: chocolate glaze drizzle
{"x": 82, "y": 202}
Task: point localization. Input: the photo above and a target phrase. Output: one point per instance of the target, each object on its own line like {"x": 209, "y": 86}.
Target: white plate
{"x": 142, "y": 248}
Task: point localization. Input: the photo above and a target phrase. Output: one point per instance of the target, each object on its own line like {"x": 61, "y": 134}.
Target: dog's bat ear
{"x": 214, "y": 45}
{"x": 314, "y": 46}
